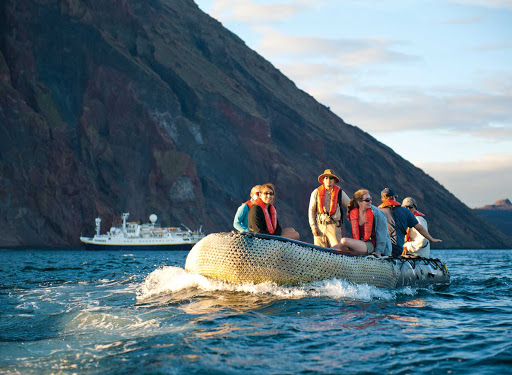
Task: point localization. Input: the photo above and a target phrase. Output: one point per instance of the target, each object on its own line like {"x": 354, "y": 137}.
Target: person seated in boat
{"x": 241, "y": 220}
{"x": 263, "y": 215}
{"x": 415, "y": 244}
{"x": 369, "y": 228}
{"x": 399, "y": 219}
{"x": 326, "y": 210}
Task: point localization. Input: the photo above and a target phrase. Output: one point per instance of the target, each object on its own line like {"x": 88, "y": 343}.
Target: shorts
{"x": 369, "y": 247}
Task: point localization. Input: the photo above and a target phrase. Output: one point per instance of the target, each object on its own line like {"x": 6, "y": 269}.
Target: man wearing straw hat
{"x": 325, "y": 210}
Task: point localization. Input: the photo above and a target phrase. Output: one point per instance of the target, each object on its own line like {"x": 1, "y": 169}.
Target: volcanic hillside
{"x": 152, "y": 106}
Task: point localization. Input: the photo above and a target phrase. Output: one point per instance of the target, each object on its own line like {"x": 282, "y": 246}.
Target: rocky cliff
{"x": 153, "y": 107}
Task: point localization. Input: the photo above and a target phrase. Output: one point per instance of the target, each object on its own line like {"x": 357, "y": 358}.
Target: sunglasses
{"x": 267, "y": 193}
{"x": 366, "y": 200}
{"x": 329, "y": 177}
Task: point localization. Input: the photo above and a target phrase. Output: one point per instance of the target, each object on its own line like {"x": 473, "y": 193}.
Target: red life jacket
{"x": 249, "y": 203}
{"x": 270, "y": 215}
{"x": 389, "y": 203}
{"x": 368, "y": 224}
{"x": 334, "y": 199}
{"x": 407, "y": 235}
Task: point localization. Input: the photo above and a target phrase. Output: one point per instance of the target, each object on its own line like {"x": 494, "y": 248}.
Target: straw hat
{"x": 327, "y": 173}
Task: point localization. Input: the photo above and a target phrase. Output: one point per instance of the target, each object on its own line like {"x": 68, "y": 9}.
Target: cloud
{"x": 349, "y": 52}
{"x": 478, "y": 181}
{"x": 481, "y": 114}
{"x": 254, "y": 13}
{"x": 507, "y": 4}
{"x": 464, "y": 21}
{"x": 493, "y": 47}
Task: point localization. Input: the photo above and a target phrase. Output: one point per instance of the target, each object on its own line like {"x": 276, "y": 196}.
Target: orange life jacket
{"x": 334, "y": 199}
{"x": 270, "y": 215}
{"x": 389, "y": 203}
{"x": 368, "y": 224}
{"x": 249, "y": 203}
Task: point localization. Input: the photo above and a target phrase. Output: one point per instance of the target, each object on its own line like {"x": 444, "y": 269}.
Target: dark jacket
{"x": 257, "y": 223}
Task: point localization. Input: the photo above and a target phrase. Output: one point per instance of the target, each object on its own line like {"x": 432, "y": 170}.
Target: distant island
{"x": 499, "y": 214}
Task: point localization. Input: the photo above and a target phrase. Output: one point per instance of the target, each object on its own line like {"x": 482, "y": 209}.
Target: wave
{"x": 167, "y": 280}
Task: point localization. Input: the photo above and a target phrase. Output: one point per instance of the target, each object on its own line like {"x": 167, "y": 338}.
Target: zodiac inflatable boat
{"x": 256, "y": 258}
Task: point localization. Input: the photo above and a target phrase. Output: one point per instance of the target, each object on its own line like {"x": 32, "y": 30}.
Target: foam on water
{"x": 168, "y": 280}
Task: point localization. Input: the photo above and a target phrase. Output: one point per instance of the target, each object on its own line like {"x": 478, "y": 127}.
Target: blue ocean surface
{"x": 78, "y": 312}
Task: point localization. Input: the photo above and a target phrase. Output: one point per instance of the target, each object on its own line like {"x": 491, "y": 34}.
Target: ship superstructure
{"x": 135, "y": 236}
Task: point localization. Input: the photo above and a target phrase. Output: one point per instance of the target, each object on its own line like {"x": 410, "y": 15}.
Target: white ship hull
{"x": 91, "y": 244}
{"x": 134, "y": 236}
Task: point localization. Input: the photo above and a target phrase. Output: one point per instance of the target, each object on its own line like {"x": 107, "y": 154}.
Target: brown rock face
{"x": 153, "y": 107}
{"x": 501, "y": 204}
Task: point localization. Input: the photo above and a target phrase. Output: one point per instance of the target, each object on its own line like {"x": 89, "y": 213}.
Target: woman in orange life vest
{"x": 263, "y": 215}
{"x": 369, "y": 228}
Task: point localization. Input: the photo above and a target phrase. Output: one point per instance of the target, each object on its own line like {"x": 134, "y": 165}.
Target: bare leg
{"x": 351, "y": 246}
{"x": 290, "y": 233}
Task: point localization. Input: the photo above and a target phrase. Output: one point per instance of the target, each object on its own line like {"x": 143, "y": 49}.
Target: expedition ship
{"x": 135, "y": 236}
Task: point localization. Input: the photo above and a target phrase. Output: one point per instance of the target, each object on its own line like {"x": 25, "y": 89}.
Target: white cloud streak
{"x": 255, "y": 13}
{"x": 464, "y": 21}
{"x": 480, "y": 115}
{"x": 345, "y": 52}
{"x": 506, "y": 4}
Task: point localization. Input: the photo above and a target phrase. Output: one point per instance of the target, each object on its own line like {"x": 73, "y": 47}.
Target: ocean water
{"x": 78, "y": 312}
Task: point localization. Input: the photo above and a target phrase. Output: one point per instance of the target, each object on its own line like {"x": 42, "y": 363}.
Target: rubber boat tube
{"x": 256, "y": 258}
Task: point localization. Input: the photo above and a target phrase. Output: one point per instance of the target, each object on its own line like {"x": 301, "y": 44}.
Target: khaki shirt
{"x": 313, "y": 211}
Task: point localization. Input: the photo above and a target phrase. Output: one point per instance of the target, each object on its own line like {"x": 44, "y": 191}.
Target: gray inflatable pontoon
{"x": 249, "y": 257}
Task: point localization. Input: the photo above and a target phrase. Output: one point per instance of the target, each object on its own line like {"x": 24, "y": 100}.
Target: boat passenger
{"x": 263, "y": 215}
{"x": 399, "y": 219}
{"x": 415, "y": 243}
{"x": 241, "y": 220}
{"x": 325, "y": 210}
{"x": 369, "y": 228}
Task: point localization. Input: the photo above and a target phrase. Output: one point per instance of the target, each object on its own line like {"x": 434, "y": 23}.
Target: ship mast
{"x": 124, "y": 216}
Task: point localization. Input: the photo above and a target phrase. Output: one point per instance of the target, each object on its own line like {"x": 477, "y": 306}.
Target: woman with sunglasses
{"x": 369, "y": 228}
{"x": 263, "y": 215}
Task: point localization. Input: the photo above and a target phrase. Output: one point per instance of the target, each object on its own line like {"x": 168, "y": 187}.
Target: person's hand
{"x": 315, "y": 231}
{"x": 436, "y": 240}
{"x": 376, "y": 255}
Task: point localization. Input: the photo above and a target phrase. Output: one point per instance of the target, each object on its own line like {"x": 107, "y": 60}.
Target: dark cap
{"x": 387, "y": 192}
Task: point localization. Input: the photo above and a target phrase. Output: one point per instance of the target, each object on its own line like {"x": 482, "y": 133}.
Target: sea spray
{"x": 168, "y": 280}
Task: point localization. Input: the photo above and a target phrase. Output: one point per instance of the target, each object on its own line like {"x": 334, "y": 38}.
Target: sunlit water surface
{"x": 66, "y": 312}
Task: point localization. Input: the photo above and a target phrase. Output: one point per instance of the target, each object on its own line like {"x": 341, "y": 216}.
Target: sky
{"x": 432, "y": 79}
